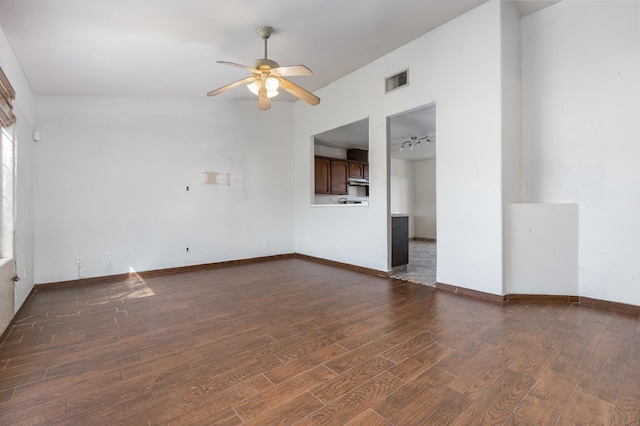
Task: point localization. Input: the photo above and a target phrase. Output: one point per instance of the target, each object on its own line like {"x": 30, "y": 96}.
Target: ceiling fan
{"x": 268, "y": 77}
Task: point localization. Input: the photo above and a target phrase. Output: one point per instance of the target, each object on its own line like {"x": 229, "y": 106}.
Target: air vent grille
{"x": 396, "y": 81}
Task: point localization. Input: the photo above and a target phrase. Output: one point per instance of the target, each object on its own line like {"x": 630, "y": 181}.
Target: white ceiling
{"x": 169, "y": 48}
{"x": 352, "y": 135}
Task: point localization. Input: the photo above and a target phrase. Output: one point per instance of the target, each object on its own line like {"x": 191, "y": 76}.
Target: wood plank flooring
{"x": 295, "y": 342}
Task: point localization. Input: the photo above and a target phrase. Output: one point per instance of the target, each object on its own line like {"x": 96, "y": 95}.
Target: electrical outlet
{"x": 267, "y": 242}
{"x": 107, "y": 257}
{"x": 79, "y": 260}
{"x": 337, "y": 246}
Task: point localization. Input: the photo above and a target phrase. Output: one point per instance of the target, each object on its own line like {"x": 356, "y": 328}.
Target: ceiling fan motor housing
{"x": 258, "y": 63}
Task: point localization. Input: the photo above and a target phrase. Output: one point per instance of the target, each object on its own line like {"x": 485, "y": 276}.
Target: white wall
{"x": 425, "y": 209}
{"x": 112, "y": 177}
{"x": 511, "y": 123}
{"x": 459, "y": 66}
{"x": 12, "y": 295}
{"x": 580, "y": 133}
{"x": 543, "y": 244}
{"x": 413, "y": 191}
{"x": 403, "y": 189}
{"x": 511, "y": 102}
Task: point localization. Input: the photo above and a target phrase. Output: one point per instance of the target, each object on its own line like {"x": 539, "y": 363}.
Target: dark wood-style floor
{"x": 295, "y": 342}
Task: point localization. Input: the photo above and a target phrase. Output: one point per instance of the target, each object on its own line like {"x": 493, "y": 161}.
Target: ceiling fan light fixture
{"x": 272, "y": 84}
{"x": 255, "y": 89}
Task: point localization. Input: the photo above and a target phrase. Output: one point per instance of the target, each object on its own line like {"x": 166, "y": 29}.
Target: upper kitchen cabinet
{"x": 332, "y": 176}
{"x": 339, "y": 180}
{"x": 356, "y": 170}
{"x": 341, "y": 169}
{"x": 322, "y": 168}
{"x": 358, "y": 162}
{"x": 359, "y": 155}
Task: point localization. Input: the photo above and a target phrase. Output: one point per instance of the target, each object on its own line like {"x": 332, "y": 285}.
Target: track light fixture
{"x": 414, "y": 142}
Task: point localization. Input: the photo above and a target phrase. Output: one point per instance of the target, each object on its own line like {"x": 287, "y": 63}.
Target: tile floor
{"x": 422, "y": 263}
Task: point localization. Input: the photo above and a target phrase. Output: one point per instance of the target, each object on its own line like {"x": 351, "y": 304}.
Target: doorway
{"x": 412, "y": 188}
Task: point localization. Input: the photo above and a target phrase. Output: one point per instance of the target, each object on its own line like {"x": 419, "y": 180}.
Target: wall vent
{"x": 396, "y": 81}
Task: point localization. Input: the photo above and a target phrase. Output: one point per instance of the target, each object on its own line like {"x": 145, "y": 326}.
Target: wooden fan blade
{"x": 244, "y": 67}
{"x": 292, "y": 70}
{"x": 246, "y": 80}
{"x": 299, "y": 92}
{"x": 264, "y": 103}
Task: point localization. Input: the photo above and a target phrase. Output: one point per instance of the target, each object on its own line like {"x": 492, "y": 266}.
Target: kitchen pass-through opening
{"x": 341, "y": 165}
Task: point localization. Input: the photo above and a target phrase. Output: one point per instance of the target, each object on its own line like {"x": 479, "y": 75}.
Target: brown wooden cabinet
{"x": 339, "y": 177}
{"x": 323, "y": 175}
{"x": 356, "y": 170}
{"x": 359, "y": 155}
{"x": 332, "y": 174}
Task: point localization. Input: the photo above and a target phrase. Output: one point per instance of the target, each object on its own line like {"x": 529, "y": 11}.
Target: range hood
{"x": 358, "y": 182}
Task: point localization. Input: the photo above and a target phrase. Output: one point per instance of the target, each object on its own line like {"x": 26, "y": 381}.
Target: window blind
{"x": 7, "y": 95}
